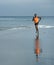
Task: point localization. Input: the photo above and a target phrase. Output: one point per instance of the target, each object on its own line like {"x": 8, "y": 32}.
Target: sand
{"x": 17, "y": 47}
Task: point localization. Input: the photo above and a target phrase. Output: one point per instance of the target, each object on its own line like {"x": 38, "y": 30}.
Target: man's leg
{"x": 37, "y": 31}
{"x": 36, "y": 27}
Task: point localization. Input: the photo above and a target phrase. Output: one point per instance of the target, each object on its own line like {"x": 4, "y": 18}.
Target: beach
{"x": 17, "y": 43}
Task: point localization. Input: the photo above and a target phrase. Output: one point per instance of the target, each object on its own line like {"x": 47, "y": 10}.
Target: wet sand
{"x": 17, "y": 47}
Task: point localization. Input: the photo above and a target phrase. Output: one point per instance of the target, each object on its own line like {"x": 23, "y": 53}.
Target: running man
{"x": 36, "y": 20}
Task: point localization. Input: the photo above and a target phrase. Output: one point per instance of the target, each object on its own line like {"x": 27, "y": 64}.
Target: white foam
{"x": 45, "y": 26}
{"x": 29, "y": 27}
{"x": 20, "y": 28}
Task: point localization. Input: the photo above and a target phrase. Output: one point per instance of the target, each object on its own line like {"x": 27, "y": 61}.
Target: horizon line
{"x": 23, "y": 16}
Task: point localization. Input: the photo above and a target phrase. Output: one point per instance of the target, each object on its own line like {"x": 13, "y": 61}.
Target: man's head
{"x": 35, "y": 14}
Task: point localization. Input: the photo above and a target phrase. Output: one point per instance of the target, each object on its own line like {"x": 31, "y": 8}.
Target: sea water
{"x": 15, "y": 22}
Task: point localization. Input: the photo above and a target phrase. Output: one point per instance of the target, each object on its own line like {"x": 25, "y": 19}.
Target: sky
{"x": 26, "y": 7}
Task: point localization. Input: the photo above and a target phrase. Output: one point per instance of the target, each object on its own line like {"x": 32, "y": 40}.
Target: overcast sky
{"x": 26, "y": 7}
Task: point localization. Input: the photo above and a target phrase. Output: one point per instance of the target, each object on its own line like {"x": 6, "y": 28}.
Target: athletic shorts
{"x": 36, "y": 23}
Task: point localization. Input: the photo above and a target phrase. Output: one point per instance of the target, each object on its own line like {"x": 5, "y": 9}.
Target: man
{"x": 36, "y": 20}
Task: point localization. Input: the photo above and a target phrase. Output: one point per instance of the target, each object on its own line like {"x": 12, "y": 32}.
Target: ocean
{"x": 14, "y": 22}
{"x": 18, "y": 22}
{"x": 18, "y": 39}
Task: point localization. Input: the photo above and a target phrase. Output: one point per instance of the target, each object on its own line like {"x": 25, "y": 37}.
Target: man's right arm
{"x": 33, "y": 19}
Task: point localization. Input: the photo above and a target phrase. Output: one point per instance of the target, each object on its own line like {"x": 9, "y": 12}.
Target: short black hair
{"x": 35, "y": 14}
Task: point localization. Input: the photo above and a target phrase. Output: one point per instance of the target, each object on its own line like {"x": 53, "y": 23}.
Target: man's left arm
{"x": 39, "y": 18}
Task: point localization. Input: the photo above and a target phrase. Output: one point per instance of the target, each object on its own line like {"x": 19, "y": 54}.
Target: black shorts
{"x": 36, "y": 23}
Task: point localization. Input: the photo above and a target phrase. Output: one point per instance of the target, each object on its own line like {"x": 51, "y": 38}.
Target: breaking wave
{"x": 25, "y": 27}
{"x": 45, "y": 26}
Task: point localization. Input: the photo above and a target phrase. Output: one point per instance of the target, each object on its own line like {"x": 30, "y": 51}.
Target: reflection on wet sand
{"x": 37, "y": 47}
